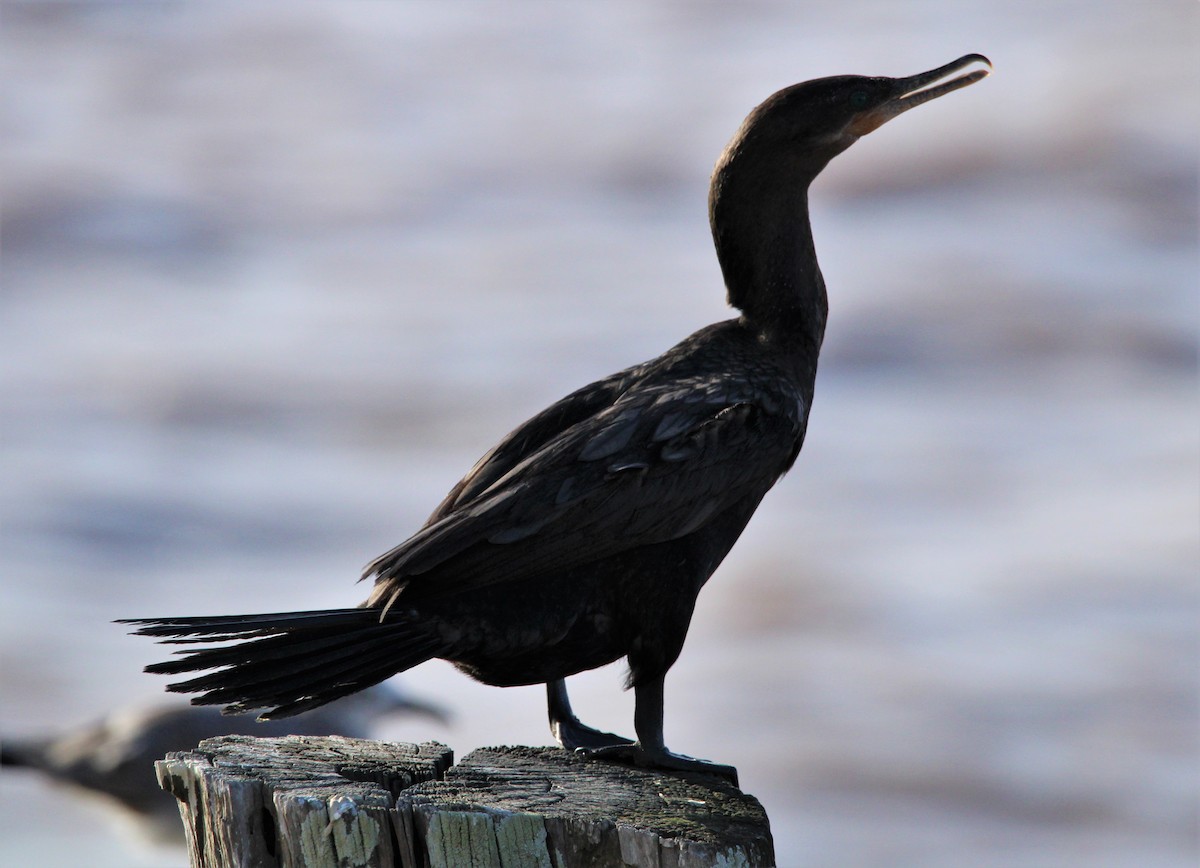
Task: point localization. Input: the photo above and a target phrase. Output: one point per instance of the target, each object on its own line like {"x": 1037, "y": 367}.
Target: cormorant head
{"x": 808, "y": 124}
{"x": 758, "y": 203}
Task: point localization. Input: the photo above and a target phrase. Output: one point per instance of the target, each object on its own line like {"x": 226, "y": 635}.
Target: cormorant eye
{"x": 859, "y": 99}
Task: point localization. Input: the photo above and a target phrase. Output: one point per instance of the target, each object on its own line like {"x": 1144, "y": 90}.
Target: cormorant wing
{"x": 532, "y": 435}
{"x": 656, "y": 464}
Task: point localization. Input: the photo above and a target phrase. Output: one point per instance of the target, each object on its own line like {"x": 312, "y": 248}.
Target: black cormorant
{"x": 586, "y": 534}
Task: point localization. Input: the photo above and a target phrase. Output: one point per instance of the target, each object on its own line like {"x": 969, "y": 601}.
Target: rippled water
{"x": 274, "y": 276}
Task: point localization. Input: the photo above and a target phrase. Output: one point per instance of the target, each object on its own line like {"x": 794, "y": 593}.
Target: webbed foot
{"x": 569, "y": 731}
{"x": 647, "y": 752}
{"x": 636, "y": 755}
{"x": 573, "y": 735}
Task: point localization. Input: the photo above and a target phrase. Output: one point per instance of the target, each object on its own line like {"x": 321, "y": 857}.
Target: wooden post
{"x": 306, "y": 802}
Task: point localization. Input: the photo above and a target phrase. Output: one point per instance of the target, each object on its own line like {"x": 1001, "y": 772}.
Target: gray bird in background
{"x": 114, "y": 757}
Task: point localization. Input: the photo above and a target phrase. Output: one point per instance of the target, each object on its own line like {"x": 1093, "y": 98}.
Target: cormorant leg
{"x": 568, "y": 730}
{"x": 649, "y": 750}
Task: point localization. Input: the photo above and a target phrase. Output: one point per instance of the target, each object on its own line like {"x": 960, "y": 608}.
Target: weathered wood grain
{"x": 302, "y": 802}
{"x": 298, "y": 801}
{"x": 504, "y": 806}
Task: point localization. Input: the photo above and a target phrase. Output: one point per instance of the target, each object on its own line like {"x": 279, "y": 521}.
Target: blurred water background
{"x": 275, "y": 275}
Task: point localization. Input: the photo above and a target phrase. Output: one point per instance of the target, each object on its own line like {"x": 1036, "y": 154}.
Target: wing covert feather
{"x": 647, "y": 466}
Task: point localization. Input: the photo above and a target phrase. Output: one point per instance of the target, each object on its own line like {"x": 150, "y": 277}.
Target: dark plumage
{"x": 587, "y": 533}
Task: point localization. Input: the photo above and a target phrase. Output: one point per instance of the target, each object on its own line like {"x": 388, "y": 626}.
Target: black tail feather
{"x": 247, "y": 625}
{"x": 282, "y": 674}
{"x": 294, "y": 661}
{"x": 368, "y": 671}
{"x": 274, "y": 647}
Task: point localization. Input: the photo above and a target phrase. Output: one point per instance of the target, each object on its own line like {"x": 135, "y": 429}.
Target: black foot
{"x": 636, "y": 755}
{"x": 573, "y": 735}
{"x": 567, "y": 728}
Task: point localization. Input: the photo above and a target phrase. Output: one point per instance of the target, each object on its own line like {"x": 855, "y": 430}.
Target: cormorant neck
{"x": 758, "y": 210}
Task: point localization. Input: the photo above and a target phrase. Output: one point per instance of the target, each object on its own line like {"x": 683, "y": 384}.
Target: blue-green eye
{"x": 859, "y": 99}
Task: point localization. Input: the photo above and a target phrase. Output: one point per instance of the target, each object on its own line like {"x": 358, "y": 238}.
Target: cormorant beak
{"x": 913, "y": 91}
